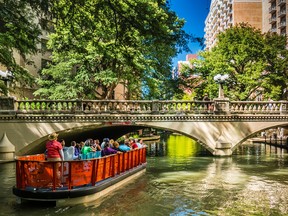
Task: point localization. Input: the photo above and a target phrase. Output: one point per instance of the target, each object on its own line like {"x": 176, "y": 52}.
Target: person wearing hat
{"x": 55, "y": 153}
{"x": 54, "y": 148}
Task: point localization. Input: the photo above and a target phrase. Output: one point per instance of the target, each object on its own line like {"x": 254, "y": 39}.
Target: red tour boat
{"x": 75, "y": 180}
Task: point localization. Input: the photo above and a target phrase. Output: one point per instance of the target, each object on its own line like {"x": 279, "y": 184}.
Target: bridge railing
{"x": 216, "y": 106}
{"x": 258, "y": 107}
{"x": 112, "y": 106}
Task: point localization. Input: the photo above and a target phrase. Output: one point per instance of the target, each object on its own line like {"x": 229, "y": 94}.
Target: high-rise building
{"x": 186, "y": 62}
{"x": 226, "y": 13}
{"x": 275, "y": 16}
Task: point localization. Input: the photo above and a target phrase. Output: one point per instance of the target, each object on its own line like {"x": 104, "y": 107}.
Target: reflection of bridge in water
{"x": 219, "y": 125}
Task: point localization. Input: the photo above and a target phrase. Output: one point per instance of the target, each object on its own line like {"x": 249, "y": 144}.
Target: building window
{"x": 45, "y": 63}
{"x": 44, "y": 44}
{"x": 47, "y": 25}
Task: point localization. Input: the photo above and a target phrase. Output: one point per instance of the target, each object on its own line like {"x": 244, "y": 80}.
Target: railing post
{"x": 221, "y": 105}
{"x": 7, "y": 105}
{"x": 155, "y": 107}
{"x": 79, "y": 106}
{"x": 283, "y": 107}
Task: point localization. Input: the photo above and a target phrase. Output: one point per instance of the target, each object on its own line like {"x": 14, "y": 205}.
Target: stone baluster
{"x": 165, "y": 107}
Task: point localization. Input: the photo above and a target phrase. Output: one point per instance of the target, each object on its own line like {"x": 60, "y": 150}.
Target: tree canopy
{"x": 98, "y": 44}
{"x": 256, "y": 64}
{"x": 19, "y": 32}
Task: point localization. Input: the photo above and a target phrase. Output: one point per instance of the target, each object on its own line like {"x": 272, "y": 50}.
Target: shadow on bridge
{"x": 27, "y": 123}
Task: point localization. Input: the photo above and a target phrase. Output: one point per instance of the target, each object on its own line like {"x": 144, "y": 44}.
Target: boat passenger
{"x": 138, "y": 143}
{"x": 87, "y": 148}
{"x": 116, "y": 146}
{"x": 142, "y": 143}
{"x": 133, "y": 144}
{"x": 107, "y": 150}
{"x": 76, "y": 150}
{"x": 54, "y": 148}
{"x": 69, "y": 153}
{"x": 124, "y": 147}
{"x": 111, "y": 143}
{"x": 62, "y": 141}
{"x": 81, "y": 145}
{"x": 104, "y": 141}
{"x": 91, "y": 144}
{"x": 55, "y": 153}
{"x": 97, "y": 145}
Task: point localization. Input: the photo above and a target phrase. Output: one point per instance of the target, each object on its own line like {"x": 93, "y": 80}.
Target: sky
{"x": 195, "y": 13}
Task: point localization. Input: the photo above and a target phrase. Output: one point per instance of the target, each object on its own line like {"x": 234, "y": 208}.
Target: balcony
{"x": 221, "y": 5}
{"x": 230, "y": 22}
{"x": 281, "y": 2}
{"x": 282, "y": 24}
{"x": 282, "y": 13}
{"x": 272, "y": 20}
{"x": 272, "y": 9}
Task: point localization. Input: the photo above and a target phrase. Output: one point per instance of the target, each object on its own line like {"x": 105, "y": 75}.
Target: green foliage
{"x": 104, "y": 43}
{"x": 256, "y": 64}
{"x": 3, "y": 88}
{"x": 19, "y": 32}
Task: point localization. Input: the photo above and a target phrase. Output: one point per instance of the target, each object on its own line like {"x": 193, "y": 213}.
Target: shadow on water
{"x": 182, "y": 179}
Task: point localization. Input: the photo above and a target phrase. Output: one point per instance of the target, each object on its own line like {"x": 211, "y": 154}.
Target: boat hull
{"x": 65, "y": 197}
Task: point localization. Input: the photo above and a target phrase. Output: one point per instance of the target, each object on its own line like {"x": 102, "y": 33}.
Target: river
{"x": 180, "y": 181}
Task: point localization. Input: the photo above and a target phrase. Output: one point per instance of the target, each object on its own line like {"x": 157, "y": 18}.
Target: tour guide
{"x": 54, "y": 148}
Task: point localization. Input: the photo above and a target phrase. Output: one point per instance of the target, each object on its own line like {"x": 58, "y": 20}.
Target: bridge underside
{"x": 219, "y": 137}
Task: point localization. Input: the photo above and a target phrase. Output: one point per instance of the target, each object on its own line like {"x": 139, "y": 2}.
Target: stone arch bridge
{"x": 219, "y": 125}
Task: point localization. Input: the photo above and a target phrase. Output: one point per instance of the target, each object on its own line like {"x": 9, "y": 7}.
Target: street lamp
{"x": 220, "y": 79}
{"x": 7, "y": 78}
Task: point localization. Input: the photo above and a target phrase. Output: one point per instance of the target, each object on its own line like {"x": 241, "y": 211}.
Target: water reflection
{"x": 178, "y": 182}
{"x": 175, "y": 146}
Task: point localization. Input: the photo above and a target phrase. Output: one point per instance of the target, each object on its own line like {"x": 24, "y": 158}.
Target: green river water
{"x": 179, "y": 180}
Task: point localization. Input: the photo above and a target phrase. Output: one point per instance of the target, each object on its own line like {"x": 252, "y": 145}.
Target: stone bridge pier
{"x": 221, "y": 138}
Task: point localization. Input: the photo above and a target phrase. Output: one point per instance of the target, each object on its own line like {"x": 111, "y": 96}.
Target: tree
{"x": 256, "y": 64}
{"x": 19, "y": 33}
{"x": 98, "y": 44}
{"x": 275, "y": 78}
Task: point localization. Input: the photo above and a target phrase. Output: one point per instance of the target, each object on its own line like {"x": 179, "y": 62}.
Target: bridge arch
{"x": 212, "y": 135}
{"x": 259, "y": 130}
{"x": 25, "y": 123}
{"x": 81, "y": 133}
